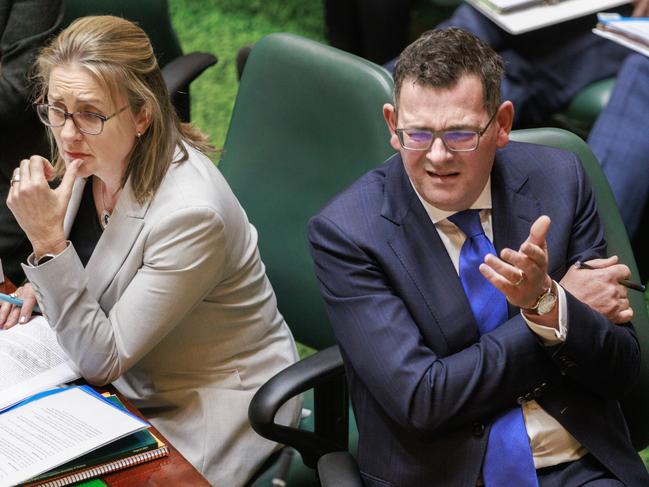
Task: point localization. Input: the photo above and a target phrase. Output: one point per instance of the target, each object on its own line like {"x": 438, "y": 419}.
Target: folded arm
{"x": 181, "y": 264}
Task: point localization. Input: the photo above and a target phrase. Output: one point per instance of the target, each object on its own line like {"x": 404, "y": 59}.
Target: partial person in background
{"x": 620, "y": 142}
{"x": 143, "y": 262}
{"x": 25, "y": 25}
{"x": 374, "y": 29}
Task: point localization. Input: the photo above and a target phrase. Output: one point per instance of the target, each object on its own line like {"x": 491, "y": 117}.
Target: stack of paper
{"x": 139, "y": 447}
{"x": 518, "y": 16}
{"x": 632, "y": 32}
{"x": 41, "y": 434}
{"x": 504, "y": 6}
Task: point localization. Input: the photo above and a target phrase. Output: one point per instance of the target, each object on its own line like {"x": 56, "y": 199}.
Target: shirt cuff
{"x": 551, "y": 336}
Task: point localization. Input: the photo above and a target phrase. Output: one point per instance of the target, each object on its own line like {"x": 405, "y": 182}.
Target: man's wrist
{"x": 550, "y": 316}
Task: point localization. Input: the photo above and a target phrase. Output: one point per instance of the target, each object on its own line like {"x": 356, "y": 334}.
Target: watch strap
{"x": 43, "y": 259}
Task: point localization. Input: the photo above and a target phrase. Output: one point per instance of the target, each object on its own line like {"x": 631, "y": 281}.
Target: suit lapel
{"x": 514, "y": 210}
{"x": 116, "y": 242}
{"x": 421, "y": 252}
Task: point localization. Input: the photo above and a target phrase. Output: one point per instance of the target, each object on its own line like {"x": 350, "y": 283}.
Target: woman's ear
{"x": 143, "y": 119}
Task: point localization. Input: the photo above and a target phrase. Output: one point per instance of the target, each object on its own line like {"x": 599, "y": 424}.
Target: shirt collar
{"x": 436, "y": 215}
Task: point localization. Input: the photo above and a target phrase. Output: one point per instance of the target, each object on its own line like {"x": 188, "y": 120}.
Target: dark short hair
{"x": 440, "y": 57}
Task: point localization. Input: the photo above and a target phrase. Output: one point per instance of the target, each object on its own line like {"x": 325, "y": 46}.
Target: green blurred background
{"x": 222, "y": 27}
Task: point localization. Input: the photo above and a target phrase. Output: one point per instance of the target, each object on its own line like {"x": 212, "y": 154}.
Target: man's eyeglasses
{"x": 87, "y": 122}
{"x": 454, "y": 140}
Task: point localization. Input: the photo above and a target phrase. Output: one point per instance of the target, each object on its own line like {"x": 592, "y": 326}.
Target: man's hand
{"x": 522, "y": 276}
{"x": 600, "y": 289}
{"x": 640, "y": 8}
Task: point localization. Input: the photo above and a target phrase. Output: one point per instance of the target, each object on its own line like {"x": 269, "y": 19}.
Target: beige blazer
{"x": 175, "y": 309}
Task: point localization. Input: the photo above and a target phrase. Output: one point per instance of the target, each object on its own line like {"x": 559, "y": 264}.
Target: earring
{"x": 139, "y": 134}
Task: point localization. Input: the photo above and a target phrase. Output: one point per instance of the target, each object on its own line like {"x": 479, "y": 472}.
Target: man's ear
{"x": 504, "y": 121}
{"x": 390, "y": 116}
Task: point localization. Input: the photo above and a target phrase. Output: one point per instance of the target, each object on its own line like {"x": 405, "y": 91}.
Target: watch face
{"x": 546, "y": 303}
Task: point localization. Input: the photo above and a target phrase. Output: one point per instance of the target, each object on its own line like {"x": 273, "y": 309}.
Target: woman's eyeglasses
{"x": 87, "y": 122}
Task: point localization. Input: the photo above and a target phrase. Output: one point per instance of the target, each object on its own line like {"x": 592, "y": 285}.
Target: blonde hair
{"x": 119, "y": 55}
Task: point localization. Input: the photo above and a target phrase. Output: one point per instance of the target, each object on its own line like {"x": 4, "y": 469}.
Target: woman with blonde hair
{"x": 143, "y": 262}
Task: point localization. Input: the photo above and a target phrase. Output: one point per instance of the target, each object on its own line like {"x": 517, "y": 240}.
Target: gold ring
{"x": 521, "y": 278}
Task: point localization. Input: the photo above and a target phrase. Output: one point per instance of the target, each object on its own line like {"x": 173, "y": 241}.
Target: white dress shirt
{"x": 550, "y": 442}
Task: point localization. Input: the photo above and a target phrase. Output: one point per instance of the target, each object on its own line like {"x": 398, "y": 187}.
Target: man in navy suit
{"x": 428, "y": 383}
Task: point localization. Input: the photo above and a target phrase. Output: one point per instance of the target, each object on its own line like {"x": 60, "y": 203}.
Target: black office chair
{"x": 178, "y": 69}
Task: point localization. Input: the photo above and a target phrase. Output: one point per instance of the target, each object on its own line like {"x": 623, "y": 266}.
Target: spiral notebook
{"x": 105, "y": 468}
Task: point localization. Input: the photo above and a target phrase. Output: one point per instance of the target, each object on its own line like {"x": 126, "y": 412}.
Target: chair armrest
{"x": 319, "y": 369}
{"x": 339, "y": 469}
{"x": 185, "y": 69}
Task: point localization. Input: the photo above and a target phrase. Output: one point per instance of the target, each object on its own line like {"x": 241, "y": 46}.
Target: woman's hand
{"x": 40, "y": 210}
{"x": 11, "y": 314}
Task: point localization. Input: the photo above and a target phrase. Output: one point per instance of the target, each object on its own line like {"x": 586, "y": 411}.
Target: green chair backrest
{"x": 636, "y": 406}
{"x": 306, "y": 123}
{"x": 151, "y": 15}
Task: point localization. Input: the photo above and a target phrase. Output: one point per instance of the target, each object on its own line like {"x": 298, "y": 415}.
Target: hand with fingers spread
{"x": 39, "y": 209}
{"x": 11, "y": 315}
{"x": 600, "y": 288}
{"x": 522, "y": 276}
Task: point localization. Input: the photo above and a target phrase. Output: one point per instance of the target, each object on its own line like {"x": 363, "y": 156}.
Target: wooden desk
{"x": 173, "y": 469}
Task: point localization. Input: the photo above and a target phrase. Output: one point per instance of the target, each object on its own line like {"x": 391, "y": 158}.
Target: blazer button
{"x": 529, "y": 396}
{"x": 538, "y": 392}
{"x": 520, "y": 400}
{"x": 478, "y": 430}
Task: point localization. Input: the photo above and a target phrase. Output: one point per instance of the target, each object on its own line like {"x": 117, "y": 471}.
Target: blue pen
{"x": 16, "y": 301}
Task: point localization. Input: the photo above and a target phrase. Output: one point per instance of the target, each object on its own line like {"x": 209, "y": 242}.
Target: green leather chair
{"x": 307, "y": 122}
{"x": 178, "y": 69}
{"x": 580, "y": 115}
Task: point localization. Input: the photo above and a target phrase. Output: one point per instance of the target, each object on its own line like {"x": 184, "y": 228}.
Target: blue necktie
{"x": 508, "y": 459}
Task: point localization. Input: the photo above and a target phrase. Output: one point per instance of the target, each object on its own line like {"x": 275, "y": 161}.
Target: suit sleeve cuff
{"x": 31, "y": 260}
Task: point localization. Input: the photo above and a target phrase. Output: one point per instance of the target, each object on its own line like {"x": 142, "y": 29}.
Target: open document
{"x": 518, "y": 17}
{"x": 53, "y": 429}
{"x": 631, "y": 32}
{"x": 31, "y": 361}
